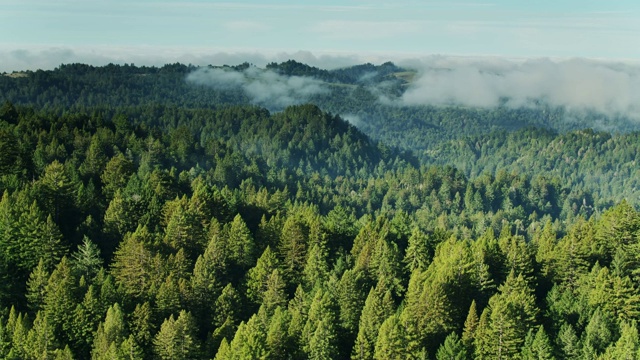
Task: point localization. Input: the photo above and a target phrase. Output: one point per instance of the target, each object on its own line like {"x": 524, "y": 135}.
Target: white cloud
{"x": 611, "y": 88}
{"x": 263, "y": 87}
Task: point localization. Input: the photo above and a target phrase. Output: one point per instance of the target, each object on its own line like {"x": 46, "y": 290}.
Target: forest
{"x": 147, "y": 215}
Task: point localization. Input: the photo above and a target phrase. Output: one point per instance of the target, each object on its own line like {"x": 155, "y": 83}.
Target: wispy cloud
{"x": 263, "y": 87}
{"x": 611, "y": 88}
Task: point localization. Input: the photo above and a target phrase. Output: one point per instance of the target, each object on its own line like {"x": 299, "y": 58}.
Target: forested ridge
{"x": 144, "y": 217}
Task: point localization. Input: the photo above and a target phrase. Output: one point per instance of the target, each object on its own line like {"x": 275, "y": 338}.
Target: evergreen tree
{"x": 110, "y": 335}
{"x": 470, "y": 326}
{"x": 133, "y": 263}
{"x": 177, "y": 338}
{"x": 5, "y": 339}
{"x": 87, "y": 260}
{"x": 627, "y": 346}
{"x": 86, "y": 318}
{"x": 293, "y": 248}
{"x": 41, "y": 340}
{"x": 391, "y": 343}
{"x": 36, "y": 287}
{"x": 249, "y": 341}
{"x": 57, "y": 190}
{"x": 274, "y": 295}
{"x": 258, "y": 275}
{"x": 227, "y": 315}
{"x": 351, "y": 299}
{"x": 452, "y": 349}
{"x": 60, "y": 300}
{"x": 537, "y": 346}
{"x": 316, "y": 270}
{"x": 278, "y": 340}
{"x": 598, "y": 334}
{"x": 377, "y": 308}
{"x": 322, "y": 344}
{"x": 569, "y": 343}
{"x": 418, "y": 254}
{"x": 116, "y": 174}
{"x": 509, "y": 316}
{"x": 240, "y": 242}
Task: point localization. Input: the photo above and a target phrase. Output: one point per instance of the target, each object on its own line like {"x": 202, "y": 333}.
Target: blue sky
{"x": 44, "y": 33}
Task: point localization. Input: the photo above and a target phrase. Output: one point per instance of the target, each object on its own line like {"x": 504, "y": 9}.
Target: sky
{"x": 43, "y": 33}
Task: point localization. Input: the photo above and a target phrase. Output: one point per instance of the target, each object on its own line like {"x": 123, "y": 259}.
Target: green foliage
{"x": 202, "y": 228}
{"x": 177, "y": 338}
{"x": 452, "y": 348}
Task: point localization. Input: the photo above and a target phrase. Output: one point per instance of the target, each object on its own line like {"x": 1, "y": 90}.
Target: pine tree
{"x": 5, "y": 339}
{"x": 274, "y": 295}
{"x": 278, "y": 341}
{"x": 130, "y": 350}
{"x": 293, "y": 248}
{"x": 41, "y": 340}
{"x": 168, "y": 299}
{"x": 569, "y": 343}
{"x": 57, "y": 190}
{"x": 133, "y": 263}
{"x": 316, "y": 270}
{"x": 36, "y": 287}
{"x": 249, "y": 341}
{"x": 240, "y": 242}
{"x": 86, "y": 318}
{"x": 452, "y": 349}
{"x": 627, "y": 346}
{"x": 470, "y": 326}
{"x": 208, "y": 276}
{"x": 51, "y": 247}
{"x": 184, "y": 231}
{"x": 573, "y": 253}
{"x": 87, "y": 260}
{"x": 417, "y": 255}
{"x": 258, "y": 275}
{"x": 377, "y": 309}
{"x": 537, "y": 346}
{"x": 508, "y": 318}
{"x": 227, "y": 315}
{"x": 60, "y": 301}
{"x": 391, "y": 343}
{"x": 322, "y": 344}
{"x": 141, "y": 326}
{"x": 323, "y": 308}
{"x": 116, "y": 174}
{"x": 20, "y": 329}
{"x": 598, "y": 334}
{"x": 177, "y": 339}
{"x": 351, "y": 299}
{"x": 299, "y": 310}
{"x": 224, "y": 351}
{"x": 110, "y": 334}
{"x": 63, "y": 354}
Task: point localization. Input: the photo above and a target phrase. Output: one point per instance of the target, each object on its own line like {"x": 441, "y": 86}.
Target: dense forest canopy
{"x": 293, "y": 212}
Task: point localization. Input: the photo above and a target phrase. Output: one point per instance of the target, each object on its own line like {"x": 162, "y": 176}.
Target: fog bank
{"x": 610, "y": 88}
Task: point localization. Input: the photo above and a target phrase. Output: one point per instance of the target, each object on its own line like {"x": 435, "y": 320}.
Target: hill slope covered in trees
{"x": 145, "y": 217}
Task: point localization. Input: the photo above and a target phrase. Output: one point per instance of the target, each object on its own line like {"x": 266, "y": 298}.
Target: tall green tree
{"x": 177, "y": 338}
{"x": 452, "y": 348}
{"x": 392, "y": 342}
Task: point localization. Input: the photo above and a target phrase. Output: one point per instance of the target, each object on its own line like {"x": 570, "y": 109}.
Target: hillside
{"x": 184, "y": 213}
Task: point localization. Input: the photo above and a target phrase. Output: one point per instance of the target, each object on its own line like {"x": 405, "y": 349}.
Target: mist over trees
{"x": 148, "y": 215}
